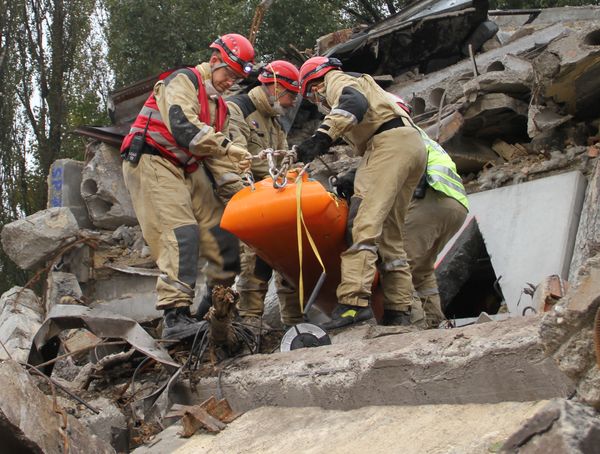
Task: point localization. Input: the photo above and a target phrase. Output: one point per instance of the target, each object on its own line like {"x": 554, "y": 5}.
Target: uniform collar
{"x": 205, "y": 70}
{"x": 260, "y": 99}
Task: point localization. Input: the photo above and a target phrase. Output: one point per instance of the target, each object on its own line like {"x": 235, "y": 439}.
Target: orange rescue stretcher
{"x": 266, "y": 218}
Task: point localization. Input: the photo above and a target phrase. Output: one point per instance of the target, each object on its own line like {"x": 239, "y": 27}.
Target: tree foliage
{"x": 145, "y": 38}
{"x": 47, "y": 82}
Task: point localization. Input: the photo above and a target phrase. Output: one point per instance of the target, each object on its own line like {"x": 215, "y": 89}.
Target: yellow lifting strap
{"x": 299, "y": 224}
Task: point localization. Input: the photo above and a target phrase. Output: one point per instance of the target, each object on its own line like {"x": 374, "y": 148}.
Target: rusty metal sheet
{"x": 212, "y": 414}
{"x": 101, "y": 323}
{"x": 196, "y": 418}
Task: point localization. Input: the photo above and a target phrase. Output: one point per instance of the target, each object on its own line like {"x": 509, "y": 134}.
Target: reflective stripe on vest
{"x": 441, "y": 171}
{"x": 159, "y": 136}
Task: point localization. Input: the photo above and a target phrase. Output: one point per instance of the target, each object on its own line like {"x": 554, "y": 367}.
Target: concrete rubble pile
{"x": 520, "y": 118}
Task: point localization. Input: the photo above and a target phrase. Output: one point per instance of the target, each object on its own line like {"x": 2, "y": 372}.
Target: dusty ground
{"x": 431, "y": 429}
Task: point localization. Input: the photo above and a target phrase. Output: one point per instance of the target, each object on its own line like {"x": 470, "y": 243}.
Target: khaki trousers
{"x": 253, "y": 284}
{"x": 385, "y": 180}
{"x": 179, "y": 215}
{"x": 429, "y": 225}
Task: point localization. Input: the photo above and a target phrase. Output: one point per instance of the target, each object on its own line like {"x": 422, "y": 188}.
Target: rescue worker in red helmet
{"x": 175, "y": 141}
{"x": 393, "y": 160}
{"x": 254, "y": 124}
{"x": 436, "y": 212}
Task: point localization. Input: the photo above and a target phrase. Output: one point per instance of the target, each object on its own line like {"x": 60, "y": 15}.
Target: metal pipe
{"x": 315, "y": 293}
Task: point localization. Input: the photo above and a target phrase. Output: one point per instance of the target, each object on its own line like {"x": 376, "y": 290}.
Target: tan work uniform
{"x": 430, "y": 223}
{"x": 178, "y": 212}
{"x": 392, "y": 163}
{"x": 254, "y": 125}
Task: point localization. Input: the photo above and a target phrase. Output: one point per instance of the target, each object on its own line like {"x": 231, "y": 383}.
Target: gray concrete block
{"x": 449, "y": 77}
{"x": 61, "y": 284}
{"x": 32, "y": 240}
{"x": 561, "y": 426}
{"x": 486, "y": 363}
{"x": 588, "y": 235}
{"x": 529, "y": 230}
{"x": 132, "y": 294}
{"x": 21, "y": 315}
{"x": 29, "y": 423}
{"x": 64, "y": 189}
{"x": 448, "y": 429}
{"x": 103, "y": 189}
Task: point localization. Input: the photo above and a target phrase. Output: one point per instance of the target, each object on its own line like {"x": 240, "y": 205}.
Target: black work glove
{"x": 316, "y": 145}
{"x": 345, "y": 185}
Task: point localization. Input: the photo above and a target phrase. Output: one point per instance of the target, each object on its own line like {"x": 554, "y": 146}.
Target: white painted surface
{"x": 529, "y": 231}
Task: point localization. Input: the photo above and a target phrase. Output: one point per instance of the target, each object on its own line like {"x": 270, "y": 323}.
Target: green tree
{"x": 144, "y": 38}
{"x": 13, "y": 183}
{"x": 49, "y": 68}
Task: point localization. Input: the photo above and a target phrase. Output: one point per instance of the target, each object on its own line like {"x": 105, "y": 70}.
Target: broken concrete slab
{"x": 110, "y": 425}
{"x": 30, "y": 423}
{"x": 64, "y": 189}
{"x": 587, "y": 242}
{"x": 61, "y": 284}
{"x": 496, "y": 114}
{"x": 131, "y": 292}
{"x": 471, "y": 155}
{"x": 462, "y": 71}
{"x": 487, "y": 363}
{"x": 561, "y": 426}
{"x": 529, "y": 230}
{"x": 21, "y": 314}
{"x": 567, "y": 332}
{"x": 545, "y": 16}
{"x": 510, "y": 74}
{"x": 464, "y": 429}
{"x": 543, "y": 118}
{"x": 578, "y": 82}
{"x": 103, "y": 188}
{"x": 32, "y": 240}
{"x": 79, "y": 261}
{"x": 446, "y": 129}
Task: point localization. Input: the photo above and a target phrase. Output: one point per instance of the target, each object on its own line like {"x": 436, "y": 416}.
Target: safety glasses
{"x": 231, "y": 74}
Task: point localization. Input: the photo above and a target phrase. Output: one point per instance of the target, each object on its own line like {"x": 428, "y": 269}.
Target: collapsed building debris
{"x": 561, "y": 426}
{"x": 103, "y": 189}
{"x": 433, "y": 367}
{"x": 30, "y": 422}
{"x": 517, "y": 110}
{"x": 21, "y": 315}
{"x": 49, "y": 230}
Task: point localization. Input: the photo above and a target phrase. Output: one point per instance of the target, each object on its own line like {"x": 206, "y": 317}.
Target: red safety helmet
{"x": 236, "y": 51}
{"x": 315, "y": 68}
{"x": 281, "y": 72}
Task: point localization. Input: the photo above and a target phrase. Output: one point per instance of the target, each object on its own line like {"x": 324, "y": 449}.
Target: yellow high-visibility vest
{"x": 441, "y": 171}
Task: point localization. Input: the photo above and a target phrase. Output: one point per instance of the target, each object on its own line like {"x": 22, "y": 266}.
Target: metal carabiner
{"x": 250, "y": 179}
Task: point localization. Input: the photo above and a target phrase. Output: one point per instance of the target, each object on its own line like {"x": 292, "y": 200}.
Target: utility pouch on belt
{"x": 136, "y": 149}
{"x": 421, "y": 187}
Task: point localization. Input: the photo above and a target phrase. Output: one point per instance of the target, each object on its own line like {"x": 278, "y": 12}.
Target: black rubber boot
{"x": 179, "y": 324}
{"x": 396, "y": 318}
{"x": 344, "y": 315}
{"x": 205, "y": 304}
